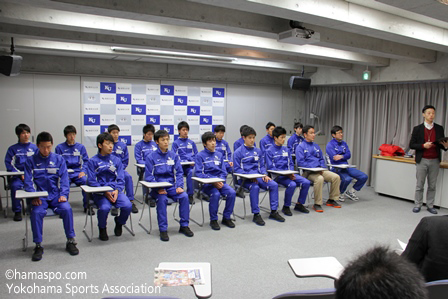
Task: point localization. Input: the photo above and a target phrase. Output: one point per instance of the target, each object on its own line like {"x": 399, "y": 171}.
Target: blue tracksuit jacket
{"x": 334, "y": 148}
{"x": 75, "y": 156}
{"x": 223, "y": 147}
{"x": 210, "y": 165}
{"x": 293, "y": 142}
{"x": 48, "y": 174}
{"x": 17, "y": 155}
{"x": 121, "y": 151}
{"x": 164, "y": 167}
{"x": 185, "y": 148}
{"x": 266, "y": 142}
{"x": 249, "y": 160}
{"x": 309, "y": 154}
{"x": 143, "y": 149}
{"x": 105, "y": 171}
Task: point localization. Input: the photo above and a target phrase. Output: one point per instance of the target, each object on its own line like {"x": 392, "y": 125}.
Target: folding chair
{"x": 141, "y": 174}
{"x": 198, "y": 196}
{"x": 91, "y": 204}
{"x": 146, "y": 199}
{"x": 240, "y": 190}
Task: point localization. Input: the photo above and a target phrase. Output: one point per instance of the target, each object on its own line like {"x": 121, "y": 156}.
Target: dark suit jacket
{"x": 428, "y": 247}
{"x": 418, "y": 139}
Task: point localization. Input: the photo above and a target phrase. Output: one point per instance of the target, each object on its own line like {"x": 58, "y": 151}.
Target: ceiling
{"x": 238, "y": 34}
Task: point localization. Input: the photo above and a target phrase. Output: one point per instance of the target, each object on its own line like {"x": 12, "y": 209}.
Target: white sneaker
{"x": 352, "y": 195}
{"x": 341, "y": 197}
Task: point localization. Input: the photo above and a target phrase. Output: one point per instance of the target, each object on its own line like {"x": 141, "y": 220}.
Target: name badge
{"x": 112, "y": 168}
{"x": 285, "y": 154}
{"x": 256, "y": 158}
{"x": 223, "y": 148}
{"x": 52, "y": 170}
{"x": 76, "y": 153}
{"x": 170, "y": 162}
{"x": 189, "y": 146}
{"x": 119, "y": 152}
{"x": 29, "y": 154}
{"x": 216, "y": 162}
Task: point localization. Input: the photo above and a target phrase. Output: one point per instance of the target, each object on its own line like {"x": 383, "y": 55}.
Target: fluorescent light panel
{"x": 172, "y": 54}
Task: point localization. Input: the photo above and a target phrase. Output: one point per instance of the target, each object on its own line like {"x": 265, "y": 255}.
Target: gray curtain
{"x": 375, "y": 114}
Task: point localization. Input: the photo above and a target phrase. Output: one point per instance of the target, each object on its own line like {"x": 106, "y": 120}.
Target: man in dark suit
{"x": 425, "y": 140}
{"x": 428, "y": 246}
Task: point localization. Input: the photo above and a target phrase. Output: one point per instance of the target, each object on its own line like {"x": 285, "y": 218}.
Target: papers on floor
{"x": 178, "y": 277}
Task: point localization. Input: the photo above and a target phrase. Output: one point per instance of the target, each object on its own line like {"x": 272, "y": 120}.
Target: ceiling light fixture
{"x": 172, "y": 54}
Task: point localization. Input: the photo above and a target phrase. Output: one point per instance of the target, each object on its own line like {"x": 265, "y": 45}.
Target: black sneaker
{"x": 17, "y": 216}
{"x": 152, "y": 203}
{"x": 70, "y": 247}
{"x": 186, "y": 231}
{"x": 164, "y": 236}
{"x": 228, "y": 223}
{"x": 258, "y": 220}
{"x": 118, "y": 228}
{"x": 287, "y": 211}
{"x": 114, "y": 211}
{"x": 215, "y": 225}
{"x": 134, "y": 208}
{"x": 301, "y": 208}
{"x": 103, "y": 234}
{"x": 37, "y": 255}
{"x": 276, "y": 216}
{"x": 191, "y": 199}
{"x": 241, "y": 194}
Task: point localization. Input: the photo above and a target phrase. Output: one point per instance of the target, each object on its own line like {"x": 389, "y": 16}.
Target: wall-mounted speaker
{"x": 299, "y": 83}
{"x": 10, "y": 65}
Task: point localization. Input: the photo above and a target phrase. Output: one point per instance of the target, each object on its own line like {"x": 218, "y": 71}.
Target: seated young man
{"x": 295, "y": 139}
{"x": 279, "y": 158}
{"x": 142, "y": 149}
{"x": 15, "y": 159}
{"x": 223, "y": 147}
{"x": 76, "y": 157}
{"x": 121, "y": 151}
{"x": 187, "y": 151}
{"x": 163, "y": 165}
{"x": 240, "y": 141}
{"x": 338, "y": 153}
{"x": 248, "y": 159}
{"x": 48, "y": 172}
{"x": 309, "y": 155}
{"x": 210, "y": 164}
{"x": 267, "y": 140}
{"x": 105, "y": 169}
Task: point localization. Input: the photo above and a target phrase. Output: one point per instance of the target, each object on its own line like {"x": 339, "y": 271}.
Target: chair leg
{"x": 262, "y": 207}
{"x": 84, "y": 230}
{"x": 150, "y": 220}
{"x": 25, "y": 238}
{"x": 191, "y": 207}
{"x": 140, "y": 178}
{"x": 130, "y": 230}
{"x": 6, "y": 187}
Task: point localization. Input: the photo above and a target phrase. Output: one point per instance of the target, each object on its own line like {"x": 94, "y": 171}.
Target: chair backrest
{"x": 309, "y": 294}
{"x": 438, "y": 289}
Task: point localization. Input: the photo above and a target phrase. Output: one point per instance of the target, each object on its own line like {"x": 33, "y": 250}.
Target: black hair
{"x": 381, "y": 274}
{"x": 112, "y": 128}
{"x": 69, "y": 129}
{"x": 148, "y": 128}
{"x": 248, "y": 131}
{"x": 298, "y": 125}
{"x": 335, "y": 129}
{"x": 22, "y": 127}
{"x": 278, "y": 131}
{"x": 183, "y": 124}
{"x": 160, "y": 134}
{"x": 220, "y": 128}
{"x": 103, "y": 137}
{"x": 44, "y": 137}
{"x": 306, "y": 129}
{"x": 269, "y": 124}
{"x": 242, "y": 129}
{"x": 207, "y": 136}
{"x": 428, "y": 107}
